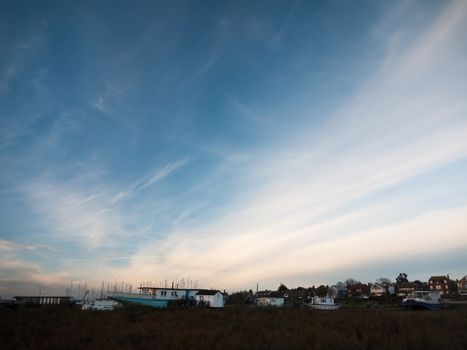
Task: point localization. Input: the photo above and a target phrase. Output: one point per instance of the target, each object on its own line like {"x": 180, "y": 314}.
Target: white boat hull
{"x": 324, "y": 307}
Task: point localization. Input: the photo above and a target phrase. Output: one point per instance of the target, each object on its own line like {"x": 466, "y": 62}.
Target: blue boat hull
{"x": 157, "y": 303}
{"x": 420, "y": 305}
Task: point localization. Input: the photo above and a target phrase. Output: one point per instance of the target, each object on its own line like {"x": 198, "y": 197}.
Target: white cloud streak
{"x": 73, "y": 212}
{"x": 99, "y": 104}
{"x": 19, "y": 55}
{"x": 148, "y": 180}
{"x": 20, "y": 275}
{"x": 10, "y": 245}
{"x": 83, "y": 209}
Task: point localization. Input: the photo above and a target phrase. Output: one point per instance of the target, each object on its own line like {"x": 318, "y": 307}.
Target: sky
{"x": 231, "y": 142}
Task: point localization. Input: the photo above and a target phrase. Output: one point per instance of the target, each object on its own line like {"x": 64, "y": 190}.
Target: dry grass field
{"x": 232, "y": 328}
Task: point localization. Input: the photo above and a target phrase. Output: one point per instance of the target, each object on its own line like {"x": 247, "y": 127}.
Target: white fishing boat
{"x": 424, "y": 300}
{"x": 323, "y": 303}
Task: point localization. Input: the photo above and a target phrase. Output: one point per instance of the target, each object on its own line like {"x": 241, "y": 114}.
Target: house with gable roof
{"x": 439, "y": 284}
{"x": 462, "y": 285}
{"x": 269, "y": 298}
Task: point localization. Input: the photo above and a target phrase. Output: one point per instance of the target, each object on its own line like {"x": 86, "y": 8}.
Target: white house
{"x": 338, "y": 290}
{"x": 210, "y": 298}
{"x": 378, "y": 290}
{"x": 270, "y": 301}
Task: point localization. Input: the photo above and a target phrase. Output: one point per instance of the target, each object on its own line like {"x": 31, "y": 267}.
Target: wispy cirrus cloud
{"x": 83, "y": 209}
{"x": 18, "y": 54}
{"x": 247, "y": 111}
{"x": 18, "y": 276}
{"x": 242, "y": 259}
{"x": 149, "y": 180}
{"x": 20, "y": 273}
{"x": 11, "y": 245}
{"x": 279, "y": 35}
{"x": 100, "y": 105}
{"x": 73, "y": 211}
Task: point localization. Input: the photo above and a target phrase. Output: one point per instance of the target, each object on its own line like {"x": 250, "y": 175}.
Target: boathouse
{"x": 269, "y": 298}
{"x": 210, "y": 298}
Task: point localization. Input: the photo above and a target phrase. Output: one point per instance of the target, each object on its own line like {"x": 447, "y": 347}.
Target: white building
{"x": 323, "y": 303}
{"x": 378, "y": 290}
{"x": 100, "y": 305}
{"x": 338, "y": 290}
{"x": 270, "y": 301}
{"x": 210, "y": 298}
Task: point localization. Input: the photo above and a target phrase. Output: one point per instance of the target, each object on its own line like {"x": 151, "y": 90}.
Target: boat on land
{"x": 163, "y": 297}
{"x": 323, "y": 303}
{"x": 424, "y": 300}
{"x": 100, "y": 305}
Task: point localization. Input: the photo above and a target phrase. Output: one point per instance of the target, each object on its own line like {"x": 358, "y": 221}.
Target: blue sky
{"x": 235, "y": 142}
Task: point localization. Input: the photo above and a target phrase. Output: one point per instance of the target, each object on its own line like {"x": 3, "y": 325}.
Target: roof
{"x": 359, "y": 286}
{"x": 208, "y": 292}
{"x": 269, "y": 294}
{"x": 198, "y": 291}
{"x": 463, "y": 279}
{"x": 41, "y": 296}
{"x": 438, "y": 278}
{"x": 271, "y": 297}
{"x": 406, "y": 285}
{"x": 163, "y": 288}
{"x": 339, "y": 287}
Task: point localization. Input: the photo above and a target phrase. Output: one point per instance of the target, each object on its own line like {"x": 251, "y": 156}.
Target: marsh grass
{"x": 232, "y": 328}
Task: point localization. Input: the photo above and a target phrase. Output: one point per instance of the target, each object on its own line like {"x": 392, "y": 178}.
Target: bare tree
{"x": 384, "y": 281}
{"x": 351, "y": 281}
{"x": 402, "y": 278}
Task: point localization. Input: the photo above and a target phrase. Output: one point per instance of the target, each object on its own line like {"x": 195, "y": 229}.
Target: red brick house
{"x": 462, "y": 285}
{"x": 439, "y": 284}
{"x": 358, "y": 290}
